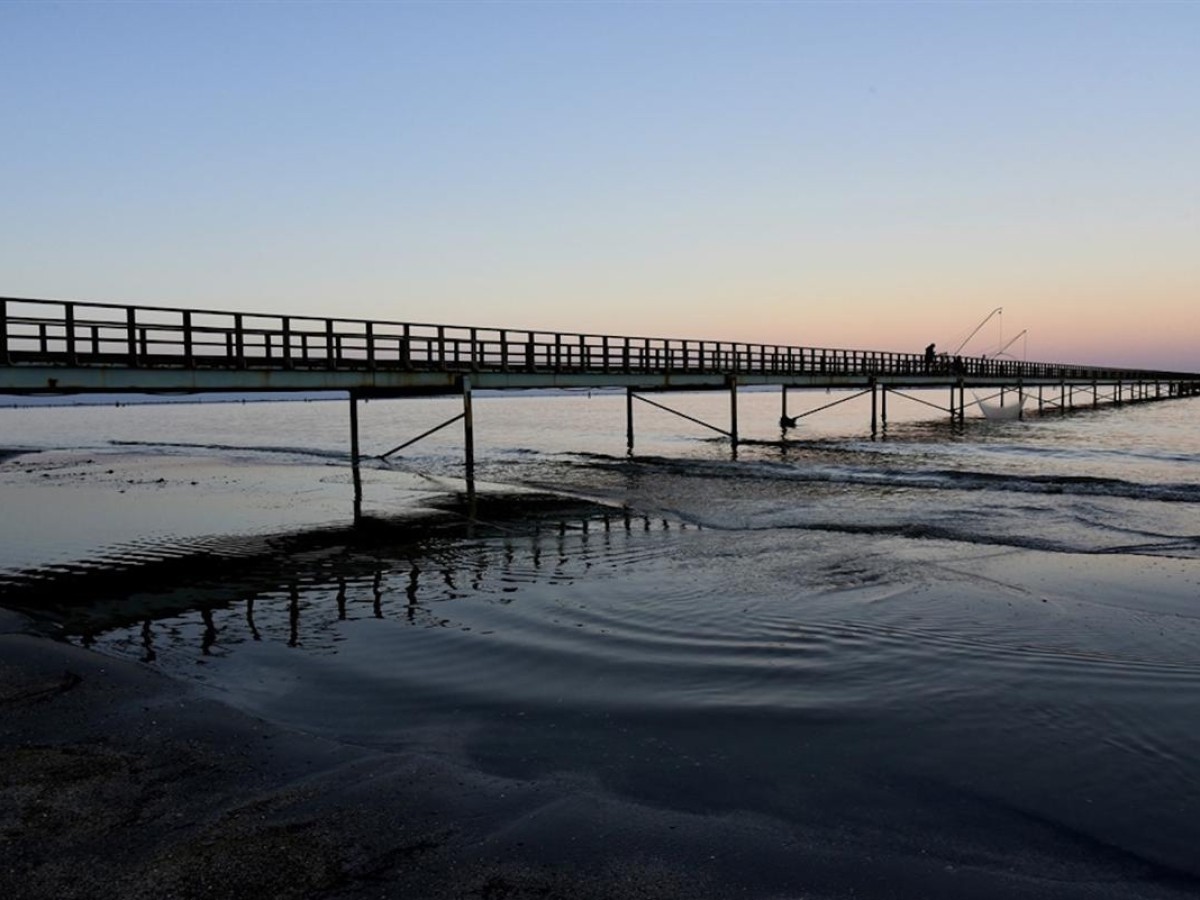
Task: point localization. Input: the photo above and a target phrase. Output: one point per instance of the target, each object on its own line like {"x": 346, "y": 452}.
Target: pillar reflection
{"x": 325, "y": 591}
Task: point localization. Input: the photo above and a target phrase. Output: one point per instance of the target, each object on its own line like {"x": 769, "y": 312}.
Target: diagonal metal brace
{"x": 422, "y": 435}
{"x": 926, "y": 402}
{"x": 683, "y": 415}
{"x": 795, "y": 418}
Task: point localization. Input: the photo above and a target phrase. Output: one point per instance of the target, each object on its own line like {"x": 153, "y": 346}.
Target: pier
{"x": 78, "y": 347}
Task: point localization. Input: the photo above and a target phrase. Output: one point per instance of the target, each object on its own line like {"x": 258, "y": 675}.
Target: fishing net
{"x": 1001, "y": 407}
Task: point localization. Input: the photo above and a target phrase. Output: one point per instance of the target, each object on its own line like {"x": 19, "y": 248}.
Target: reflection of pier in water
{"x": 409, "y": 584}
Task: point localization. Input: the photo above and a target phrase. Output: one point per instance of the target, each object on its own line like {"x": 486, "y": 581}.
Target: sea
{"x": 944, "y": 660}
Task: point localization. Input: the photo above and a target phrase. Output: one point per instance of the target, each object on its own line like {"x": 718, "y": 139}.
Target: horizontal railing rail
{"x": 76, "y": 333}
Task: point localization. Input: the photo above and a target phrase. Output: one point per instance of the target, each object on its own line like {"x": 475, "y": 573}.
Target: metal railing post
{"x": 187, "y": 338}
{"x": 69, "y": 323}
{"x": 287, "y": 342}
{"x": 131, "y": 335}
{"x": 239, "y": 342}
{"x": 4, "y": 332}
{"x": 329, "y": 357}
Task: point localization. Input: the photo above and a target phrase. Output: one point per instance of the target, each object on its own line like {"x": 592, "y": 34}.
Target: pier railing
{"x": 68, "y": 333}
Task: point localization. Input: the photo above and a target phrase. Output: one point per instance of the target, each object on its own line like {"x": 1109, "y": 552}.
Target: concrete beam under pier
{"x": 95, "y": 379}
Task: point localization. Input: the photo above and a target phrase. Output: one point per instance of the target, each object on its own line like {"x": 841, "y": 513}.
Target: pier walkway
{"x": 50, "y": 346}
{"x": 70, "y": 347}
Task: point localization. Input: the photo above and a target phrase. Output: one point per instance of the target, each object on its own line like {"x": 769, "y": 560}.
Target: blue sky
{"x": 851, "y": 174}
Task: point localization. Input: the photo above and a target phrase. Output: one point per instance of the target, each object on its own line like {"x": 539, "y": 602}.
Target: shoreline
{"x": 86, "y": 509}
{"x": 122, "y": 781}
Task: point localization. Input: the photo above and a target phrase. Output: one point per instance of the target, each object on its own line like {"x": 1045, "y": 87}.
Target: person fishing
{"x": 929, "y": 357}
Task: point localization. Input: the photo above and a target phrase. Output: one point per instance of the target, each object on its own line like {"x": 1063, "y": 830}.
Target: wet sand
{"x": 118, "y": 782}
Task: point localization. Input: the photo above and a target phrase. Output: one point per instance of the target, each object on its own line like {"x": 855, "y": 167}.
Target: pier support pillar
{"x": 629, "y": 421}
{"x": 468, "y": 436}
{"x": 883, "y": 392}
{"x": 874, "y": 408}
{"x": 733, "y": 422}
{"x": 1041, "y": 401}
{"x": 354, "y": 457}
{"x": 1020, "y": 402}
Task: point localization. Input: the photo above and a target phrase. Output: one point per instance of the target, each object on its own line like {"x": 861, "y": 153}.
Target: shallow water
{"x": 979, "y": 646}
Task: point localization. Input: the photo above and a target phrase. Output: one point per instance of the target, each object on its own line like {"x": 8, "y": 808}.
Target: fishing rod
{"x": 987, "y": 318}
{"x": 1000, "y": 352}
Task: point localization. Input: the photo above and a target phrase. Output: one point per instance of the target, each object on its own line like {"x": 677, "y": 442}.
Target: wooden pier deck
{"x": 67, "y": 347}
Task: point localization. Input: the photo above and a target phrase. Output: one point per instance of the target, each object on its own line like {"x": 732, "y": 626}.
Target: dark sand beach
{"x": 118, "y": 782}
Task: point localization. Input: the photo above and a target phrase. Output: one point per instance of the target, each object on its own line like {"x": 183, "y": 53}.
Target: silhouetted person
{"x": 929, "y": 357}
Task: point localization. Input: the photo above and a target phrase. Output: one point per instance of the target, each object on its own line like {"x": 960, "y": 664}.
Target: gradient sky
{"x": 850, "y": 174}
